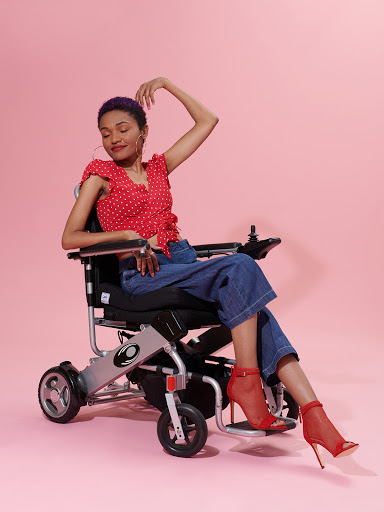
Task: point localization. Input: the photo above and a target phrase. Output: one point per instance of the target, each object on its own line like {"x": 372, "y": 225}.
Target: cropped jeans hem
{"x": 251, "y": 310}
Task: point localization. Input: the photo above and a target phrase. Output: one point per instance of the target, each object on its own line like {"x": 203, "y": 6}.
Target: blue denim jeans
{"x": 235, "y": 284}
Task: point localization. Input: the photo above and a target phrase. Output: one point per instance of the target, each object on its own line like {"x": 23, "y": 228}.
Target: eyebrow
{"x": 117, "y": 124}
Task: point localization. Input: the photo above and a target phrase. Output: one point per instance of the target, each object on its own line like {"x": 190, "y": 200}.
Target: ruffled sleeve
{"x": 100, "y": 168}
{"x": 158, "y": 164}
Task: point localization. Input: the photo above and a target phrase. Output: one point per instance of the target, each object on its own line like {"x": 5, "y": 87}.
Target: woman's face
{"x": 120, "y": 132}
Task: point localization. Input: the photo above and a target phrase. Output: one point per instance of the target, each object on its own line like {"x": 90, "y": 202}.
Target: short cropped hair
{"x": 132, "y": 107}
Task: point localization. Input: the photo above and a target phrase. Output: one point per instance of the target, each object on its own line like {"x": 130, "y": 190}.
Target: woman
{"x": 133, "y": 201}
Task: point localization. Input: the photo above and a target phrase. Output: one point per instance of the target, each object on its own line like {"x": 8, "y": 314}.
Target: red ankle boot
{"x": 318, "y": 429}
{"x": 245, "y": 389}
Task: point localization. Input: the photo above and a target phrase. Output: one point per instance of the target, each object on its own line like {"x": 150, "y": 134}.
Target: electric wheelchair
{"x": 184, "y": 380}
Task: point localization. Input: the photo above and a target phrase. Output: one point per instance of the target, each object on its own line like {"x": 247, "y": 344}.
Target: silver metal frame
{"x": 115, "y": 392}
{"x": 108, "y": 368}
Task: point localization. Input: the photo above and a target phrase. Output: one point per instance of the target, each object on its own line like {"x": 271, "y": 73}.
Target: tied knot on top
{"x": 167, "y": 231}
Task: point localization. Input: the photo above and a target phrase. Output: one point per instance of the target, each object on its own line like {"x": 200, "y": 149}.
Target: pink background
{"x": 298, "y": 87}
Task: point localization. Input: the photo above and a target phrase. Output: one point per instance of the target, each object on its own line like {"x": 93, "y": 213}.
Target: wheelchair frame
{"x": 64, "y": 389}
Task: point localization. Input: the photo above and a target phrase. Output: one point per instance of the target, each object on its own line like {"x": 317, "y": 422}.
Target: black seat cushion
{"x": 165, "y": 298}
{"x": 142, "y": 309}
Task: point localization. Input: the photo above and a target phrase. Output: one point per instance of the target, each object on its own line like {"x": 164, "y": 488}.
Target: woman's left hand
{"x": 146, "y": 261}
{"x": 147, "y": 90}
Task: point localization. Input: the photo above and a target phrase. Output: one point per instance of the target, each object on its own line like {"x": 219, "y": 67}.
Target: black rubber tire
{"x": 290, "y": 407}
{"x": 58, "y": 396}
{"x": 194, "y": 428}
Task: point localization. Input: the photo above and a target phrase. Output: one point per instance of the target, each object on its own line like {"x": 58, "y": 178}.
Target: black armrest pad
{"x": 212, "y": 247}
{"x": 259, "y": 250}
{"x": 208, "y": 250}
{"x": 108, "y": 248}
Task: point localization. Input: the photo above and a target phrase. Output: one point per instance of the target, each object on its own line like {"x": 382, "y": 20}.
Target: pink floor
{"x": 109, "y": 456}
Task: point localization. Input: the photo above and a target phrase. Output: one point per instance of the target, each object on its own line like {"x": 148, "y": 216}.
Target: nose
{"x": 115, "y": 137}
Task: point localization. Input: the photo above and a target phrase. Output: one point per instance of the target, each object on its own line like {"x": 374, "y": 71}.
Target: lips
{"x": 118, "y": 148}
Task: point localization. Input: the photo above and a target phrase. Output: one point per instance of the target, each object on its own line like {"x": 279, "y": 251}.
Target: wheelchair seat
{"x": 143, "y": 309}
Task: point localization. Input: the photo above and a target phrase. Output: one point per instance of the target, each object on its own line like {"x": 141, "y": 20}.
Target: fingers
{"x": 146, "y": 93}
{"x": 152, "y": 95}
{"x": 147, "y": 261}
{"x": 142, "y": 94}
{"x": 138, "y": 96}
{"x": 155, "y": 263}
{"x": 139, "y": 258}
{"x": 150, "y": 263}
{"x": 147, "y": 97}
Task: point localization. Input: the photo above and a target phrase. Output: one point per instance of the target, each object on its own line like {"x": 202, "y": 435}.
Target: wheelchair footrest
{"x": 244, "y": 425}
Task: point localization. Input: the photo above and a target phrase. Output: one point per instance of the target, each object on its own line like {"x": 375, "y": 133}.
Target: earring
{"x": 94, "y": 151}
{"x": 143, "y": 147}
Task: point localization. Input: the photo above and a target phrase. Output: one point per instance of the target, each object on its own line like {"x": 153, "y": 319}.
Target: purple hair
{"x": 132, "y": 107}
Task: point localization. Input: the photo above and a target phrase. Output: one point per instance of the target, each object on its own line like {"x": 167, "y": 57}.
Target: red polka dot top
{"x": 129, "y": 205}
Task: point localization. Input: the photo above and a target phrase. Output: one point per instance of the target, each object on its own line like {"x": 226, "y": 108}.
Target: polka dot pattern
{"x": 129, "y": 205}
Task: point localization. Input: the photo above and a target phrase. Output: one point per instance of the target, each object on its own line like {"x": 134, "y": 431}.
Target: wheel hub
{"x": 54, "y": 395}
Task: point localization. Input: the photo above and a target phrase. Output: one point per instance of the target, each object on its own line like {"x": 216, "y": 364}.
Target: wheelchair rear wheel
{"x": 194, "y": 428}
{"x": 58, "y": 397}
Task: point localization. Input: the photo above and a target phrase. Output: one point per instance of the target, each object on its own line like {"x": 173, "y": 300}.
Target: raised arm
{"x": 204, "y": 119}
{"x": 74, "y": 236}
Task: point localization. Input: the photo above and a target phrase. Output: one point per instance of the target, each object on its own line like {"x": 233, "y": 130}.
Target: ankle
{"x": 310, "y": 405}
{"x": 243, "y": 372}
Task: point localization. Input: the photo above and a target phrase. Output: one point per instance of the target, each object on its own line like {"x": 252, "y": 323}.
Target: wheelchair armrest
{"x": 109, "y": 248}
{"x": 208, "y": 250}
{"x": 260, "y": 248}
{"x": 257, "y": 249}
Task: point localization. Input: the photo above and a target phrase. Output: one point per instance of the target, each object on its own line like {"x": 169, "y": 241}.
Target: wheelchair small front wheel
{"x": 194, "y": 427}
{"x": 58, "y": 397}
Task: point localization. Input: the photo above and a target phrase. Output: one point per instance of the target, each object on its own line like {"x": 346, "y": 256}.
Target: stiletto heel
{"x": 316, "y": 450}
{"x": 318, "y": 429}
{"x": 245, "y": 389}
{"x": 232, "y": 411}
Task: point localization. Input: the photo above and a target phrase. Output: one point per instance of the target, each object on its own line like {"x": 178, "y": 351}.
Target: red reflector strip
{"x": 171, "y": 383}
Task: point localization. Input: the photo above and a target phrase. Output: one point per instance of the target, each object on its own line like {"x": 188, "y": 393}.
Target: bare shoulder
{"x": 94, "y": 187}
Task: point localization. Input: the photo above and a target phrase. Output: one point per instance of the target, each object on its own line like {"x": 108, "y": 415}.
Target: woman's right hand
{"x": 146, "y": 91}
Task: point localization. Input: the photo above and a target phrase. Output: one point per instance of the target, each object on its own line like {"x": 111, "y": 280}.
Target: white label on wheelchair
{"x": 105, "y": 297}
